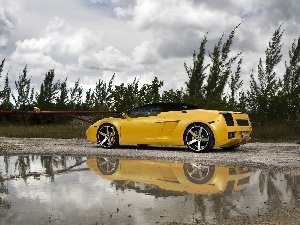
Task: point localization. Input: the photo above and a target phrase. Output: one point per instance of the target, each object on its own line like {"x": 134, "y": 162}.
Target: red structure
{"x": 73, "y": 114}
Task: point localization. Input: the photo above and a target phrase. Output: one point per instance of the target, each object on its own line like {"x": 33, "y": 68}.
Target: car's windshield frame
{"x": 154, "y": 109}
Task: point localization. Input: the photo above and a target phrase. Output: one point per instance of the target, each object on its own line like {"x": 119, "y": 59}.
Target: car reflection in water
{"x": 149, "y": 175}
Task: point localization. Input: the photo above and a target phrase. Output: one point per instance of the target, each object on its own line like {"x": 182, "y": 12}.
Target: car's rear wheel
{"x": 107, "y": 136}
{"x": 197, "y": 173}
{"x": 199, "y": 138}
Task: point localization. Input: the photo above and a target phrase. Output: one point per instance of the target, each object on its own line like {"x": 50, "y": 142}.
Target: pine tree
{"x": 89, "y": 100}
{"x": 291, "y": 83}
{"x": 197, "y": 75}
{"x": 149, "y": 93}
{"x": 6, "y": 93}
{"x": 207, "y": 91}
{"x": 62, "y": 99}
{"x": 103, "y": 94}
{"x": 220, "y": 71}
{"x": 263, "y": 95}
{"x": 1, "y": 91}
{"x": 1, "y": 67}
{"x": 235, "y": 84}
{"x": 174, "y": 96}
{"x": 126, "y": 97}
{"x": 76, "y": 96}
{"x": 25, "y": 94}
{"x": 45, "y": 99}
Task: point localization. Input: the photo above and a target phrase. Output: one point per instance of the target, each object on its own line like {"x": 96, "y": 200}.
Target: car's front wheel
{"x": 108, "y": 136}
{"x": 107, "y": 166}
{"x": 199, "y": 138}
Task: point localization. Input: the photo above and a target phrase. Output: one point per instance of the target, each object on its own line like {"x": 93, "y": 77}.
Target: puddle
{"x": 37, "y": 189}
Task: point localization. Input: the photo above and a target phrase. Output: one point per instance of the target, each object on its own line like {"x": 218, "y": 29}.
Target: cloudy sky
{"x": 93, "y": 39}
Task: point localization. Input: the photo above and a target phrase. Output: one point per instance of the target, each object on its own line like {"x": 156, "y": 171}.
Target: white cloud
{"x": 6, "y": 26}
{"x": 99, "y": 1}
{"x": 64, "y": 39}
{"x": 146, "y": 53}
{"x": 108, "y": 59}
{"x": 59, "y": 45}
{"x": 123, "y": 12}
{"x": 33, "y": 59}
{"x": 135, "y": 38}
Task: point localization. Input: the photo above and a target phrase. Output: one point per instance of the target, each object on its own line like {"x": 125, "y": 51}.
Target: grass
{"x": 283, "y": 132}
{"x": 43, "y": 131}
{"x": 277, "y": 132}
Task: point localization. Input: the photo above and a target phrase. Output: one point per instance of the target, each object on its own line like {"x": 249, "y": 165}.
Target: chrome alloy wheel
{"x": 199, "y": 137}
{"x": 107, "y": 136}
{"x": 197, "y": 173}
{"x": 107, "y": 166}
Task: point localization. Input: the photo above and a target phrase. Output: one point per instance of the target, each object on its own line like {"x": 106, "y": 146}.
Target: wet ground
{"x": 45, "y": 181}
{"x": 39, "y": 189}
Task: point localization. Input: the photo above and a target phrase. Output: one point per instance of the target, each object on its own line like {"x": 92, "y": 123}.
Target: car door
{"x": 142, "y": 125}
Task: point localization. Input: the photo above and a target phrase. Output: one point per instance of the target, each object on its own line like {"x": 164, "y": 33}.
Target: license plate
{"x": 245, "y": 135}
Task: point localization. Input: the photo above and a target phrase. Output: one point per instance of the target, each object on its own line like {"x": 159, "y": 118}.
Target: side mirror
{"x": 124, "y": 115}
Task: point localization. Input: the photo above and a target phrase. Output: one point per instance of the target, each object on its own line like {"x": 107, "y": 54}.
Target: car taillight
{"x": 228, "y": 118}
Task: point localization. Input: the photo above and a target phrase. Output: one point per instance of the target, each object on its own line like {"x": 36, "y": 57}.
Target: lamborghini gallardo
{"x": 176, "y": 124}
{"x": 190, "y": 177}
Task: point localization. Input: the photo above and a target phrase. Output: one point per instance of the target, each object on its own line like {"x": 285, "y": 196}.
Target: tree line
{"x": 214, "y": 82}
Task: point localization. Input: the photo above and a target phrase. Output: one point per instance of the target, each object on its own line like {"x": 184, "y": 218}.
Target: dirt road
{"x": 266, "y": 156}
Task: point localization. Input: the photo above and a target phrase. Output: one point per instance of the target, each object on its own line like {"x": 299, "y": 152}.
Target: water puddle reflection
{"x": 37, "y": 189}
{"x": 158, "y": 176}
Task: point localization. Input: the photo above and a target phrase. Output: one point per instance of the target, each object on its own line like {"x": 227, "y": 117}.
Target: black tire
{"x": 197, "y": 173}
{"x": 199, "y": 138}
{"x": 107, "y": 166}
{"x": 107, "y": 136}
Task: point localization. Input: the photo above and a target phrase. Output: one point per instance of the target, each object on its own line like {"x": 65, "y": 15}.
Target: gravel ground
{"x": 265, "y": 156}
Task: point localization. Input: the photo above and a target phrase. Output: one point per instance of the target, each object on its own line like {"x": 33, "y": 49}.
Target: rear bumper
{"x": 236, "y": 138}
{"x": 232, "y": 129}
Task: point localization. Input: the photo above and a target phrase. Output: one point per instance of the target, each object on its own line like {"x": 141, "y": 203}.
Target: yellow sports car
{"x": 173, "y": 124}
{"x": 172, "y": 176}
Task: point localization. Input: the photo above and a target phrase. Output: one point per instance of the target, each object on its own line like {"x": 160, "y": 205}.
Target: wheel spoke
{"x": 200, "y": 174}
{"x": 206, "y": 168}
{"x": 107, "y": 167}
{"x": 103, "y": 163}
{"x": 194, "y": 171}
{"x": 200, "y": 131}
{"x": 192, "y": 141}
{"x": 204, "y": 139}
{"x": 196, "y": 165}
{"x": 103, "y": 134}
{"x": 103, "y": 141}
{"x": 199, "y": 145}
{"x": 192, "y": 133}
{"x": 108, "y": 142}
